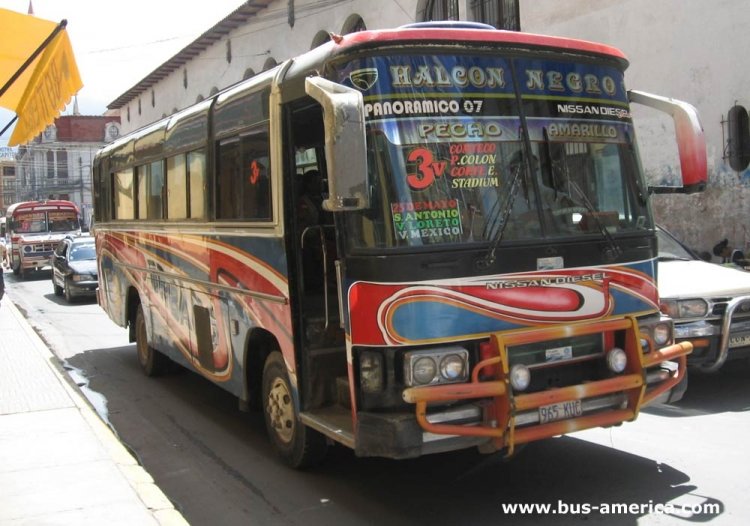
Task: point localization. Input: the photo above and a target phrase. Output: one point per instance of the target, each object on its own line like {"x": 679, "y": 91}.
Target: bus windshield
{"x": 38, "y": 222}
{"x": 469, "y": 149}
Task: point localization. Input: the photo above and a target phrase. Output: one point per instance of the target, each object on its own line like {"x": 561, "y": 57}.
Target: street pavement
{"x": 60, "y": 464}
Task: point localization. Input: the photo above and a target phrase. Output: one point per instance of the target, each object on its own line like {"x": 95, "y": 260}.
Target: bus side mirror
{"x": 346, "y": 155}
{"x": 691, "y": 143}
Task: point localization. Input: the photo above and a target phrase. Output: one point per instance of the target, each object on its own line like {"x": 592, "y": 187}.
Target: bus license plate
{"x": 739, "y": 341}
{"x": 560, "y": 411}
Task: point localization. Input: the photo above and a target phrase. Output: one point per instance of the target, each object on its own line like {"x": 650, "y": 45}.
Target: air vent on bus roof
{"x": 447, "y": 24}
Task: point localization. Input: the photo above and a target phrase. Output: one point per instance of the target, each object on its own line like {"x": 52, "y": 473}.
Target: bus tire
{"x": 298, "y": 445}
{"x": 152, "y": 361}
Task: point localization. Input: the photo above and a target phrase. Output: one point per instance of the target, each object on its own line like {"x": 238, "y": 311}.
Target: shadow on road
{"x": 215, "y": 461}
{"x": 722, "y": 392}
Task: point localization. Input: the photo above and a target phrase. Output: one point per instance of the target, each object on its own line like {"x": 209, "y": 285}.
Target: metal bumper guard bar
{"x": 499, "y": 414}
{"x": 726, "y": 328}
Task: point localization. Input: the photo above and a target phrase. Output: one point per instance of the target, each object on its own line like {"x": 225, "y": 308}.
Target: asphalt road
{"x": 678, "y": 464}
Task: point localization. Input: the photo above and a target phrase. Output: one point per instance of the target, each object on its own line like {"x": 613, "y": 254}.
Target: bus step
{"x": 335, "y": 422}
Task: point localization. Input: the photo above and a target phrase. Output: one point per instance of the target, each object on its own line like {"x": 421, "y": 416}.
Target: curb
{"x": 137, "y": 477}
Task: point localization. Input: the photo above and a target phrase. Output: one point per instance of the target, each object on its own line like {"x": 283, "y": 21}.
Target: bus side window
{"x": 177, "y": 187}
{"x": 227, "y": 171}
{"x": 197, "y": 185}
{"x": 243, "y": 184}
{"x": 124, "y": 198}
{"x": 257, "y": 183}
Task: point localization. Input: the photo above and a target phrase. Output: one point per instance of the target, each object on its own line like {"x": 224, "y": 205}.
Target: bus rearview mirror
{"x": 691, "y": 143}
{"x": 346, "y": 155}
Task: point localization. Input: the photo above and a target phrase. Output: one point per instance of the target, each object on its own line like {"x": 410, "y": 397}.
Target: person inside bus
{"x": 310, "y": 213}
{"x": 552, "y": 200}
{"x": 310, "y": 202}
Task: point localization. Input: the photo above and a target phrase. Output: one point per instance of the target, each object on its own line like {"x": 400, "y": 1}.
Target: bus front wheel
{"x": 152, "y": 361}
{"x": 298, "y": 445}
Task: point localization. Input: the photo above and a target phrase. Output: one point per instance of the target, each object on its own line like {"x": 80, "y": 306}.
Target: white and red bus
{"x": 403, "y": 241}
{"x": 33, "y": 230}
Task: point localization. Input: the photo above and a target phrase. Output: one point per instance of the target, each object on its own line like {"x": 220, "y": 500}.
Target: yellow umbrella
{"x": 38, "y": 72}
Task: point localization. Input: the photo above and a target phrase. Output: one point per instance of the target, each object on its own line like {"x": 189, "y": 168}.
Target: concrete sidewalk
{"x": 59, "y": 463}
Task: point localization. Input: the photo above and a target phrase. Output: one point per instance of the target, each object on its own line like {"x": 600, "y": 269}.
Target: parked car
{"x": 710, "y": 304}
{"x": 74, "y": 270}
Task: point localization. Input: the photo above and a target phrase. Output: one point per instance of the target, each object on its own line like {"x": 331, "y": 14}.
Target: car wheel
{"x": 152, "y": 361}
{"x": 298, "y": 445}
{"x": 57, "y": 288}
{"x": 68, "y": 293}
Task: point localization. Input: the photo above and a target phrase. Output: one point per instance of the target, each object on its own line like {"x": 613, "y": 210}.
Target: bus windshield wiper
{"x": 613, "y": 250}
{"x": 500, "y": 220}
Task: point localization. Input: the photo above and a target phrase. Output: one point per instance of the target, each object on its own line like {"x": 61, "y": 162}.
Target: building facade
{"x": 665, "y": 41}
{"x": 7, "y": 178}
{"x": 688, "y": 50}
{"x": 57, "y": 163}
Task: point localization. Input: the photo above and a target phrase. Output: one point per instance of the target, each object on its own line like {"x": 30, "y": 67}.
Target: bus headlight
{"x": 441, "y": 365}
{"x": 662, "y": 333}
{"x": 424, "y": 370}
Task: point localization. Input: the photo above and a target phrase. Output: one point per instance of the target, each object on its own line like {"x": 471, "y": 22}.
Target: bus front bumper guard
{"x": 636, "y": 386}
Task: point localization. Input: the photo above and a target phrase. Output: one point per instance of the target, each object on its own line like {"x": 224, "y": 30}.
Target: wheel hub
{"x": 281, "y": 410}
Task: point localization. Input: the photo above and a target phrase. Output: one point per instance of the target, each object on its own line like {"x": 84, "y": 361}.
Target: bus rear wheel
{"x": 152, "y": 361}
{"x": 298, "y": 445}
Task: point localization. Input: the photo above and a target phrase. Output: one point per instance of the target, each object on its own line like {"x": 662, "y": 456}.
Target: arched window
{"x": 270, "y": 63}
{"x": 213, "y": 91}
{"x": 321, "y": 37}
{"x": 353, "y": 24}
{"x": 502, "y": 14}
{"x": 249, "y": 72}
{"x": 428, "y": 10}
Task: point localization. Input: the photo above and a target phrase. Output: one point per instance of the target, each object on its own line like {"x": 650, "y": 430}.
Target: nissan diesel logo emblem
{"x": 364, "y": 79}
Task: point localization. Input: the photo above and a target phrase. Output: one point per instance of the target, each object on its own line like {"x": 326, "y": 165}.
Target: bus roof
{"x": 50, "y": 205}
{"x": 445, "y": 32}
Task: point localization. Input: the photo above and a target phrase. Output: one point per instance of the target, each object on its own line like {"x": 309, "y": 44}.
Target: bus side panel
{"x": 203, "y": 296}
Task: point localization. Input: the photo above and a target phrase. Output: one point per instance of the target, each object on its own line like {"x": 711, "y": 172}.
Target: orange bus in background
{"x": 33, "y": 230}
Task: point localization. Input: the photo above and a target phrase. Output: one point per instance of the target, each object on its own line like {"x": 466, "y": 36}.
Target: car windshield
{"x": 82, "y": 252}
{"x": 481, "y": 149}
{"x": 670, "y": 248}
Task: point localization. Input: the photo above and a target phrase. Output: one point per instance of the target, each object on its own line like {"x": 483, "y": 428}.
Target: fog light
{"x": 452, "y": 367}
{"x": 424, "y": 370}
{"x": 661, "y": 334}
{"x": 520, "y": 377}
{"x": 617, "y": 360}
